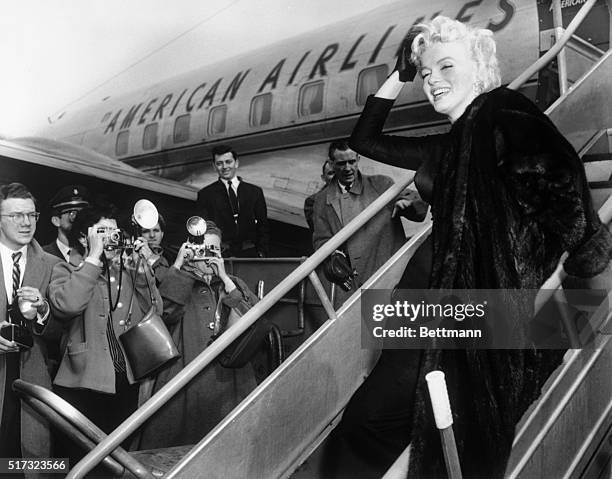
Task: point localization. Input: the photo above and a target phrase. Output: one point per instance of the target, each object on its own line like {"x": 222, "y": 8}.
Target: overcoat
{"x": 370, "y": 247}
{"x": 79, "y": 297}
{"x": 35, "y": 438}
{"x": 509, "y": 196}
{"x": 189, "y": 310}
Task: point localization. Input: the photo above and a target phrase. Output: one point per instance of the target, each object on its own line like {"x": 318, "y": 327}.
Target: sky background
{"x": 55, "y": 52}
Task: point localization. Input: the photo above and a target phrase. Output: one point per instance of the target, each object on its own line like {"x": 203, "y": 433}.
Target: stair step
{"x": 600, "y": 170}
{"x": 160, "y": 461}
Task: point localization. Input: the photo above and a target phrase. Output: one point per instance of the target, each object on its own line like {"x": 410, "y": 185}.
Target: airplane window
{"x": 149, "y": 138}
{"x": 311, "y": 98}
{"x": 261, "y": 109}
{"x": 369, "y": 81}
{"x": 216, "y": 120}
{"x": 121, "y": 147}
{"x": 181, "y": 128}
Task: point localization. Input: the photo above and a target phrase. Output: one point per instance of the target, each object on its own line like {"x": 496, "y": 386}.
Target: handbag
{"x": 338, "y": 270}
{"x": 148, "y": 344}
{"x": 247, "y": 345}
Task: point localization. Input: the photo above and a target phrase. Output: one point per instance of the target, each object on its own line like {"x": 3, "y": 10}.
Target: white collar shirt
{"x": 7, "y": 267}
{"x": 65, "y": 250}
{"x": 234, "y": 182}
{"x": 344, "y": 188}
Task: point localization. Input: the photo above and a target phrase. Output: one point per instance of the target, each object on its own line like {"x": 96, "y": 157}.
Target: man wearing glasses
{"x": 347, "y": 196}
{"x": 64, "y": 206}
{"x": 26, "y": 270}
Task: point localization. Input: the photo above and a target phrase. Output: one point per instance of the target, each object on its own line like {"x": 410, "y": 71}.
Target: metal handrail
{"x": 86, "y": 428}
{"x": 556, "y": 48}
{"x": 212, "y": 351}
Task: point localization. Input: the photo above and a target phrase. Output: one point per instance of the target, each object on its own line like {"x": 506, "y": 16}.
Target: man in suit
{"x": 26, "y": 270}
{"x": 64, "y": 206}
{"x": 327, "y": 174}
{"x": 347, "y": 196}
{"x": 237, "y": 207}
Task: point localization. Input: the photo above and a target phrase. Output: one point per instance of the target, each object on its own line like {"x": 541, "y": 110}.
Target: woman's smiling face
{"x": 449, "y": 77}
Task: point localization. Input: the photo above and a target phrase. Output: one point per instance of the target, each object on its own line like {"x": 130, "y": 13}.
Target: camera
{"x": 114, "y": 239}
{"x": 196, "y": 249}
{"x": 200, "y": 252}
{"x": 16, "y": 330}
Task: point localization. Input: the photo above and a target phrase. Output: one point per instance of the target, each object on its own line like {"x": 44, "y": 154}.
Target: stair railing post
{"x": 444, "y": 421}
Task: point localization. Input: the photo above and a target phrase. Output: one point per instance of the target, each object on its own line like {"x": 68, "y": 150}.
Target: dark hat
{"x": 70, "y": 197}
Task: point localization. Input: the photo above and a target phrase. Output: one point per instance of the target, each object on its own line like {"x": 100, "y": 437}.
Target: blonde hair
{"x": 479, "y": 40}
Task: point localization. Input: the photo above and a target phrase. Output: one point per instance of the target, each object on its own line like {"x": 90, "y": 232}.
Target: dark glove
{"x": 407, "y": 71}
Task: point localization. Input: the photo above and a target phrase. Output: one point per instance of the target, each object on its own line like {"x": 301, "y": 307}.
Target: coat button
{"x": 203, "y": 291}
{"x": 119, "y": 304}
{"x": 122, "y": 322}
{"x": 206, "y": 308}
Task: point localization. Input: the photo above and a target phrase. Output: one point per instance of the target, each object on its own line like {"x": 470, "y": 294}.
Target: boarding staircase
{"x": 566, "y": 433}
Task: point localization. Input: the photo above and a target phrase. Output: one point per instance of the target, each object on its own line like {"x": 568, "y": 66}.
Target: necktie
{"x": 16, "y": 273}
{"x": 233, "y": 201}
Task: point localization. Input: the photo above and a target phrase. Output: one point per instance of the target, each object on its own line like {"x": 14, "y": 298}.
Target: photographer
{"x": 151, "y": 249}
{"x": 199, "y": 299}
{"x": 95, "y": 296}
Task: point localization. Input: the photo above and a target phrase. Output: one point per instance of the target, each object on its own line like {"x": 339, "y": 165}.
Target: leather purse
{"x": 247, "y": 345}
{"x": 338, "y": 270}
{"x": 148, "y": 344}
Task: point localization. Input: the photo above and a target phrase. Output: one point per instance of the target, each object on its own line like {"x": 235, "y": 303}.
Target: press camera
{"x": 196, "y": 250}
{"x": 114, "y": 238}
{"x": 145, "y": 216}
{"x": 17, "y": 330}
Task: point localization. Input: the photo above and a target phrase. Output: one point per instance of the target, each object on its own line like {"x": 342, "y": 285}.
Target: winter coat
{"x": 509, "y": 196}
{"x": 189, "y": 310}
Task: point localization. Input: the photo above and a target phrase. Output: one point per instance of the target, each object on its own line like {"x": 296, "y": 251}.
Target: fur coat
{"x": 509, "y": 197}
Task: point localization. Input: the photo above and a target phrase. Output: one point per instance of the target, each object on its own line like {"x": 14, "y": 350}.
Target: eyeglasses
{"x": 21, "y": 217}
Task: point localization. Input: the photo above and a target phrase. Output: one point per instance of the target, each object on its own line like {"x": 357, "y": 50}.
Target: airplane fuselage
{"x": 279, "y": 106}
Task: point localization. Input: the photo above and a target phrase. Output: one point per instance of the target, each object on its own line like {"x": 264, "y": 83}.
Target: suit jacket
{"x": 52, "y": 248}
{"x": 35, "y": 438}
{"x": 370, "y": 247}
{"x": 252, "y": 229}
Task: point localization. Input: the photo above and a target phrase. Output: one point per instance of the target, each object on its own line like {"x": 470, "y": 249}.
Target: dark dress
{"x": 508, "y": 196}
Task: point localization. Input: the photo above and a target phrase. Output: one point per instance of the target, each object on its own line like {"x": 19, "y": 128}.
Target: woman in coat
{"x": 198, "y": 298}
{"x": 95, "y": 298}
{"x": 508, "y": 196}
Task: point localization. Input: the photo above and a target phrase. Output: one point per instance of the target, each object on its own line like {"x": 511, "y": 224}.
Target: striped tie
{"x": 16, "y": 273}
